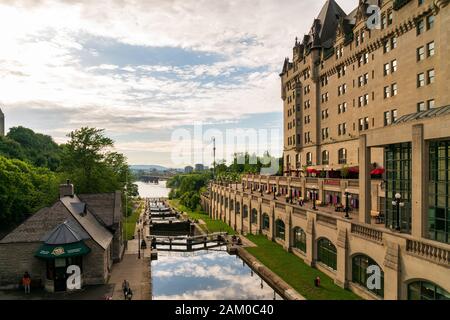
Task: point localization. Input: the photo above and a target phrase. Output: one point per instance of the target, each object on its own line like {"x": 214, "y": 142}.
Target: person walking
{"x": 125, "y": 288}
{"x": 26, "y": 282}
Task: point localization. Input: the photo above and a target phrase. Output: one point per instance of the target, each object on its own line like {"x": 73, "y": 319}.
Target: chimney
{"x": 66, "y": 190}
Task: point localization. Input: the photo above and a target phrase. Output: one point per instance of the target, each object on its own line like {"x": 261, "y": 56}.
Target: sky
{"x": 151, "y": 72}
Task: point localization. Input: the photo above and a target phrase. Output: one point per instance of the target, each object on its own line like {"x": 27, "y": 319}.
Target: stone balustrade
{"x": 428, "y": 251}
{"x": 367, "y": 233}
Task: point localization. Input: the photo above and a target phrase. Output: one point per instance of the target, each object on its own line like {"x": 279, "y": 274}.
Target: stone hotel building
{"x": 366, "y": 152}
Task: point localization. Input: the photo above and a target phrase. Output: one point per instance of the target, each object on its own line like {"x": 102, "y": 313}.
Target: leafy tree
{"x": 24, "y": 189}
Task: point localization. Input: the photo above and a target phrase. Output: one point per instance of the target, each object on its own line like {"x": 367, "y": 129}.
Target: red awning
{"x": 353, "y": 169}
{"x": 377, "y": 171}
{"x": 312, "y": 170}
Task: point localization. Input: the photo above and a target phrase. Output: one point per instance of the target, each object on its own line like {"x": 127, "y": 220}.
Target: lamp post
{"x": 347, "y": 207}
{"x": 139, "y": 243}
{"x": 314, "y": 198}
{"x": 398, "y": 203}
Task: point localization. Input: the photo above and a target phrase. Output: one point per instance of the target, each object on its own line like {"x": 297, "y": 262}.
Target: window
{"x": 421, "y": 106}
{"x": 430, "y": 49}
{"x": 387, "y": 118}
{"x": 360, "y": 101}
{"x": 439, "y": 192}
{"x": 430, "y": 76}
{"x": 420, "y": 27}
{"x": 325, "y": 157}
{"x": 398, "y": 180}
{"x": 430, "y": 104}
{"x": 394, "y": 42}
{"x": 309, "y": 159}
{"x": 387, "y": 92}
{"x": 420, "y": 54}
{"x": 386, "y": 46}
{"x": 245, "y": 212}
{"x": 366, "y": 99}
{"x": 342, "y": 107}
{"x": 390, "y": 18}
{"x": 363, "y": 124}
{"x": 394, "y": 89}
{"x": 326, "y": 253}
{"x": 280, "y": 229}
{"x": 420, "y": 80}
{"x": 360, "y": 275}
{"x": 265, "y": 221}
{"x": 430, "y": 22}
{"x": 342, "y": 129}
{"x": 383, "y": 21}
{"x": 325, "y": 133}
{"x": 387, "y": 69}
{"x": 394, "y": 115}
{"x": 424, "y": 290}
{"x": 342, "y": 156}
{"x": 393, "y": 66}
{"x": 299, "y": 239}
{"x": 254, "y": 216}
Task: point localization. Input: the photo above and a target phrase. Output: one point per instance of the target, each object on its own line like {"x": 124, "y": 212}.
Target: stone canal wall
{"x": 278, "y": 284}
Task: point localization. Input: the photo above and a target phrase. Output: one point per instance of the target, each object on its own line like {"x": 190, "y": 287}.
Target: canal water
{"x": 153, "y": 190}
{"x": 206, "y": 275}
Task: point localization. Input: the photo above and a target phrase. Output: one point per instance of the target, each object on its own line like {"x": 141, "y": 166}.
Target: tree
{"x": 88, "y": 161}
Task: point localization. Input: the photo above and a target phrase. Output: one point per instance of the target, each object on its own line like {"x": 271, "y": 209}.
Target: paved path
{"x": 136, "y": 271}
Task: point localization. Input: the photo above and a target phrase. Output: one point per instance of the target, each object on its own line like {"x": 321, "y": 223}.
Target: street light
{"x": 398, "y": 203}
{"x": 347, "y": 207}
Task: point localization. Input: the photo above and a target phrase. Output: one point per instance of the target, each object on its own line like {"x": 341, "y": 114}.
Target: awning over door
{"x": 52, "y": 251}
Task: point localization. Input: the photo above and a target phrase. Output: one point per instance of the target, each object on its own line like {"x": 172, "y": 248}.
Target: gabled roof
{"x": 105, "y": 206}
{"x": 67, "y": 232}
{"x": 88, "y": 221}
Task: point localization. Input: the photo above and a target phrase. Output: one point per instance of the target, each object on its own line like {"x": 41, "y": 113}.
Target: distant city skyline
{"x": 141, "y": 70}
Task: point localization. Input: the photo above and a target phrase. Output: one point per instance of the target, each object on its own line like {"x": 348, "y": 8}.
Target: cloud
{"x": 145, "y": 65}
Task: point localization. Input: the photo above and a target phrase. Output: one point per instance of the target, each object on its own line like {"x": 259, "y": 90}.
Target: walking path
{"x": 136, "y": 271}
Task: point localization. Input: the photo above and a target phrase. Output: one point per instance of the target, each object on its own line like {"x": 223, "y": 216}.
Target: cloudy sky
{"x": 146, "y": 69}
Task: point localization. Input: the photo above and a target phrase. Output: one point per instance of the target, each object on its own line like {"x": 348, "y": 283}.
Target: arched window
{"x": 326, "y": 253}
{"x": 424, "y": 290}
{"x": 309, "y": 159}
{"x": 325, "y": 157}
{"x": 279, "y": 229}
{"x": 245, "y": 213}
{"x": 360, "y": 274}
{"x": 300, "y": 239}
{"x": 342, "y": 156}
{"x": 254, "y": 216}
{"x": 238, "y": 208}
{"x": 265, "y": 221}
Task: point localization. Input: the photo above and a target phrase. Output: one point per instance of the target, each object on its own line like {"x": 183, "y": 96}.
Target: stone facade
{"x": 353, "y": 56}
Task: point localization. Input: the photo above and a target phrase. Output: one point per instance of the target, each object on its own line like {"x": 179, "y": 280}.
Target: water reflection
{"x": 206, "y": 275}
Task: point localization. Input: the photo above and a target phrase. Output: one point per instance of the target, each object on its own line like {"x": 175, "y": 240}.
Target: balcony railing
{"x": 353, "y": 183}
{"x": 367, "y": 233}
{"x": 311, "y": 180}
{"x": 299, "y": 212}
{"x": 280, "y": 206}
{"x": 266, "y": 201}
{"x": 428, "y": 251}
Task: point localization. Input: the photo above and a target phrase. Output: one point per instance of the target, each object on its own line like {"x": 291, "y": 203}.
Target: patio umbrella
{"x": 377, "y": 171}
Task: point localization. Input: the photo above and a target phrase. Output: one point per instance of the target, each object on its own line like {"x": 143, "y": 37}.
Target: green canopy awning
{"x": 51, "y": 251}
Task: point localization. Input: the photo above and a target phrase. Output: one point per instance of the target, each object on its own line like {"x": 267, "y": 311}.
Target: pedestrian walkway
{"x": 136, "y": 272}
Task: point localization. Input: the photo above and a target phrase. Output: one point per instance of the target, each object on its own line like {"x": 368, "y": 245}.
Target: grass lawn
{"x": 295, "y": 272}
{"x": 130, "y": 225}
{"x": 211, "y": 225}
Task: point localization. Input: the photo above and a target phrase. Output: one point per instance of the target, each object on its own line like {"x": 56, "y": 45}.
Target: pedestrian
{"x": 317, "y": 281}
{"x": 129, "y": 294}
{"x": 26, "y": 282}
{"x": 125, "y": 288}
